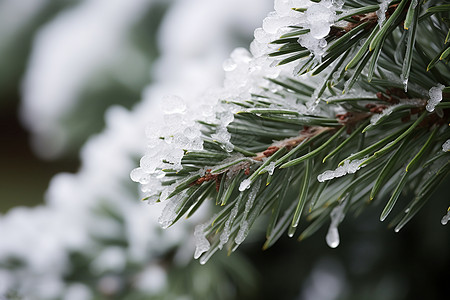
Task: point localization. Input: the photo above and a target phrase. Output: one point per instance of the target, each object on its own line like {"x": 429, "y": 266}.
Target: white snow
{"x": 68, "y": 52}
{"x": 446, "y": 146}
{"x": 152, "y": 280}
{"x": 72, "y": 217}
{"x": 435, "y": 94}
{"x": 318, "y": 18}
{"x": 78, "y": 291}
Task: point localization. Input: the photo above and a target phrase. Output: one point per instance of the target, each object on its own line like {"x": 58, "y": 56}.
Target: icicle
{"x": 336, "y": 215}
{"x": 349, "y": 167}
{"x": 446, "y": 218}
{"x": 201, "y": 242}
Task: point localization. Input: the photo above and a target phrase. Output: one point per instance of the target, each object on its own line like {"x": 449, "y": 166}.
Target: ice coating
{"x": 169, "y": 213}
{"x": 71, "y": 218}
{"x": 270, "y": 168}
{"x": 446, "y": 146}
{"x": 336, "y": 215}
{"x": 244, "y": 226}
{"x": 349, "y": 167}
{"x": 224, "y": 237}
{"x": 435, "y": 94}
{"x": 381, "y": 12}
{"x": 243, "y": 232}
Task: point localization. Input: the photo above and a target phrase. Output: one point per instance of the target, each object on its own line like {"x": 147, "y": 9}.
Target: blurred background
{"x": 78, "y": 81}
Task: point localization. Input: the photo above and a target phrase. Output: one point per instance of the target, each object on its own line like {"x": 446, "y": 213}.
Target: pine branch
{"x": 290, "y": 145}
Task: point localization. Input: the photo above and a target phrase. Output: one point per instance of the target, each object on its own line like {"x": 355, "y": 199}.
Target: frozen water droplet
{"x": 270, "y": 168}
{"x": 319, "y": 30}
{"x": 138, "y": 175}
{"x": 332, "y": 237}
{"x": 336, "y": 215}
{"x": 245, "y": 184}
{"x": 445, "y": 218}
{"x": 322, "y": 43}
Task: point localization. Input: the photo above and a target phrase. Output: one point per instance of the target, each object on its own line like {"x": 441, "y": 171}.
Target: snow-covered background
{"x": 95, "y": 213}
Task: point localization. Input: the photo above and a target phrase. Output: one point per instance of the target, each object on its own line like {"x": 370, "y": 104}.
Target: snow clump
{"x": 446, "y": 146}
{"x": 435, "y": 94}
{"x": 318, "y": 18}
{"x": 349, "y": 167}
